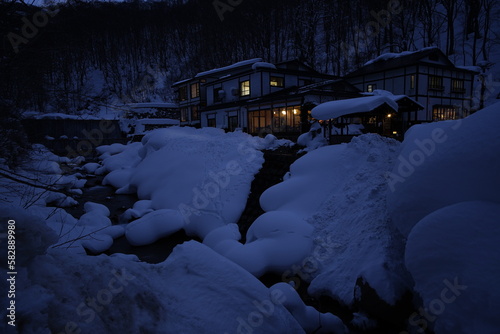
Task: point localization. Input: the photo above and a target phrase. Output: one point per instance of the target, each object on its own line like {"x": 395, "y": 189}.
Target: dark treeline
{"x": 138, "y": 49}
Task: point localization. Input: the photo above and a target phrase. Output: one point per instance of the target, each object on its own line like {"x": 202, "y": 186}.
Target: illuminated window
{"x": 370, "y": 88}
{"x": 442, "y": 113}
{"x": 183, "y": 94}
{"x": 435, "y": 82}
{"x": 412, "y": 81}
{"x": 245, "y": 88}
{"x": 259, "y": 122}
{"x": 276, "y": 82}
{"x": 457, "y": 86}
{"x": 195, "y": 90}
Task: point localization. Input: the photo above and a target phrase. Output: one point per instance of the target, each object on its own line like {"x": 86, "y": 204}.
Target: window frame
{"x": 370, "y": 88}
{"x": 460, "y": 88}
{"x": 196, "y": 90}
{"x": 211, "y": 118}
{"x": 245, "y": 91}
{"x": 278, "y": 80}
{"x": 184, "y": 114}
{"x": 195, "y": 113}
{"x": 435, "y": 82}
{"x": 442, "y": 112}
{"x": 183, "y": 93}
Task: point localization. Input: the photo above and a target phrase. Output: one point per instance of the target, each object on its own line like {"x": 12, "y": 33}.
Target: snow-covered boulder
{"x": 444, "y": 163}
{"x": 194, "y": 291}
{"x": 453, "y": 255}
{"x": 340, "y": 190}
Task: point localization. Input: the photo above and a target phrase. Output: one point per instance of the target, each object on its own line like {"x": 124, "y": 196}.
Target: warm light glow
{"x": 295, "y": 111}
{"x": 394, "y": 132}
{"x": 389, "y": 115}
{"x": 283, "y": 112}
{"x": 274, "y": 112}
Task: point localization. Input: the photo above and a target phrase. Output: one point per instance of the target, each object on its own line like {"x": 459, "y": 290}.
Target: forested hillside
{"x": 78, "y": 55}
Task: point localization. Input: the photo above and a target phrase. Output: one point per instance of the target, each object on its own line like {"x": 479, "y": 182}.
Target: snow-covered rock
{"x": 203, "y": 174}
{"x": 453, "y": 256}
{"x": 275, "y": 242}
{"x": 194, "y": 291}
{"x": 444, "y": 163}
{"x": 340, "y": 190}
{"x": 153, "y": 226}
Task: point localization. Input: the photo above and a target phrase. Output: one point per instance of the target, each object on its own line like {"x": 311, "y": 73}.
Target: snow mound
{"x": 341, "y": 190}
{"x": 194, "y": 291}
{"x": 275, "y": 242}
{"x": 445, "y": 163}
{"x": 154, "y": 226}
{"x": 203, "y": 174}
{"x": 453, "y": 255}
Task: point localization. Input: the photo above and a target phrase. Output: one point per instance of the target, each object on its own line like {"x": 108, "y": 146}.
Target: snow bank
{"x": 445, "y": 163}
{"x": 453, "y": 255}
{"x": 340, "y": 190}
{"x": 202, "y": 174}
{"x": 275, "y": 242}
{"x": 194, "y": 291}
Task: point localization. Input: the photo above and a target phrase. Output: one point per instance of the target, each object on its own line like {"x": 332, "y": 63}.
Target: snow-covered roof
{"x": 396, "y": 98}
{"x": 153, "y": 105}
{"x": 261, "y": 64}
{"x": 230, "y": 67}
{"x": 390, "y": 55}
{"x": 181, "y": 82}
{"x": 470, "y": 68}
{"x": 55, "y": 115}
{"x": 334, "y": 109}
{"x": 159, "y": 121}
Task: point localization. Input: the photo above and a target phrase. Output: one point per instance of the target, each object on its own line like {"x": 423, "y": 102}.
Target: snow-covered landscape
{"x": 339, "y": 189}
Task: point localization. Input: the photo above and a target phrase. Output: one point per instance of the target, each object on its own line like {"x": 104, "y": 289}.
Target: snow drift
{"x": 445, "y": 163}
{"x": 453, "y": 256}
